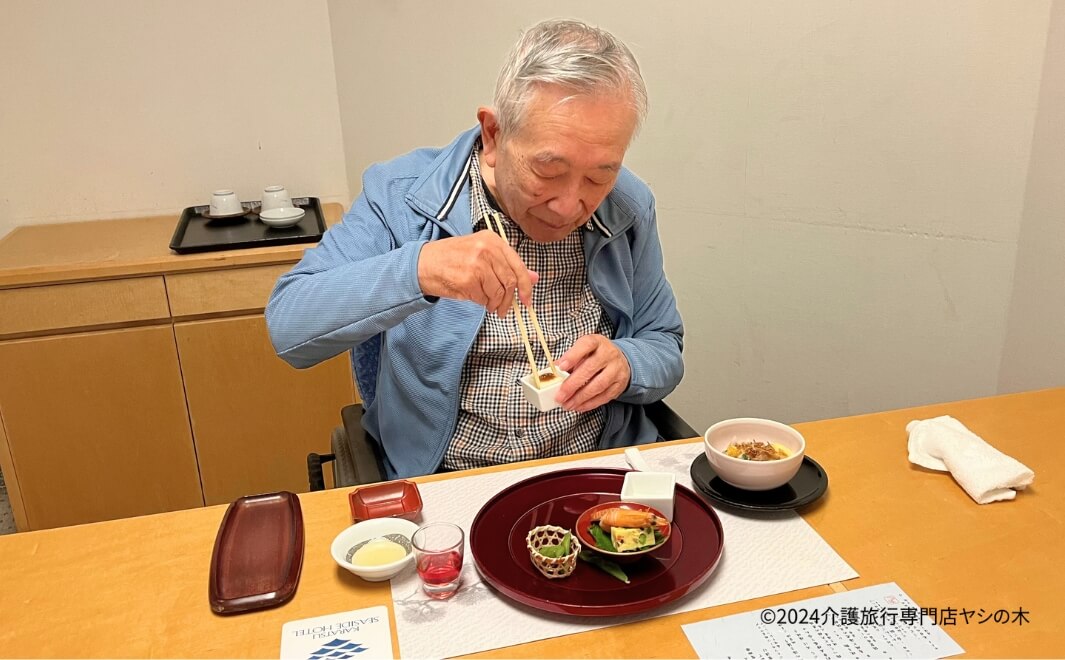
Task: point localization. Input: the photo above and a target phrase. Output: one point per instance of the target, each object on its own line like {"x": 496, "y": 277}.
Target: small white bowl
{"x": 543, "y": 399}
{"x": 753, "y": 475}
{"x": 349, "y": 540}
{"x": 655, "y": 489}
{"x": 282, "y": 217}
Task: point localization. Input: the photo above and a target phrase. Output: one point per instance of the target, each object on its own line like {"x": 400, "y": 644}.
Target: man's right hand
{"x": 480, "y": 267}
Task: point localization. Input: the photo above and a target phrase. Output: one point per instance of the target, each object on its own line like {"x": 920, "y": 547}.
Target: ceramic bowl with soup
{"x": 754, "y": 454}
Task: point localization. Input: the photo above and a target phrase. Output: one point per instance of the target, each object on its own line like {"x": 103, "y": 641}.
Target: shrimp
{"x": 618, "y": 517}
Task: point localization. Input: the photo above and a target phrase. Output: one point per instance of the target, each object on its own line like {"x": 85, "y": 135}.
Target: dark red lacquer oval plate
{"x": 258, "y": 553}
{"x": 497, "y": 543}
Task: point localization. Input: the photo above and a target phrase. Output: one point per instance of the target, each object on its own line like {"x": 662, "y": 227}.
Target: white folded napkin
{"x": 944, "y": 444}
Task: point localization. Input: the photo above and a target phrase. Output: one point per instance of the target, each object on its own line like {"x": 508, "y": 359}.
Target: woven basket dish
{"x": 552, "y": 567}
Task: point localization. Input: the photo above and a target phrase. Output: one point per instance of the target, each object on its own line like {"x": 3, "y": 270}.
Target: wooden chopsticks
{"x": 498, "y": 228}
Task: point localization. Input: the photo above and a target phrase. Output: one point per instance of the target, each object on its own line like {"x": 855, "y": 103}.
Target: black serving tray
{"x": 196, "y": 233}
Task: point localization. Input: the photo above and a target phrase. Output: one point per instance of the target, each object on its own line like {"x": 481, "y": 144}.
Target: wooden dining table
{"x": 138, "y": 587}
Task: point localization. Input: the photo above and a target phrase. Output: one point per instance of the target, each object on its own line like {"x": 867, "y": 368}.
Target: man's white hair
{"x": 572, "y": 55}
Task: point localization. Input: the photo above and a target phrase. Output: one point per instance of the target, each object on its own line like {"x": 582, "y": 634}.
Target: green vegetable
{"x": 607, "y": 566}
{"x": 602, "y": 539}
{"x": 556, "y": 551}
{"x": 553, "y": 551}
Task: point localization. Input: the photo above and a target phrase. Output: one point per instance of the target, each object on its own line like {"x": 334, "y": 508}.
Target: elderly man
{"x": 416, "y": 265}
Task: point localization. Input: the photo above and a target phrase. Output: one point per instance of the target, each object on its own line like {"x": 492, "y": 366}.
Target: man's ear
{"x": 486, "y": 117}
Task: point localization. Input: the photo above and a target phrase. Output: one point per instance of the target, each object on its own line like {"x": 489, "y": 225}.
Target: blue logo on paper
{"x": 337, "y": 649}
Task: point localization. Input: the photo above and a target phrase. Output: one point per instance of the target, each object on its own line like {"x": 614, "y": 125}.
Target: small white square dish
{"x": 543, "y": 399}
{"x": 653, "y": 489}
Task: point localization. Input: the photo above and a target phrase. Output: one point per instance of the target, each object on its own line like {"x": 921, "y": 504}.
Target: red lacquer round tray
{"x": 497, "y": 543}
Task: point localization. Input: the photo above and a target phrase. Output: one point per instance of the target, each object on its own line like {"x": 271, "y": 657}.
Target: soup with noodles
{"x": 757, "y": 450}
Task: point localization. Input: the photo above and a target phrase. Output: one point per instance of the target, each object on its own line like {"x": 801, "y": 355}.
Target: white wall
{"x": 840, "y": 184}
{"x": 133, "y": 107}
{"x": 1034, "y": 355}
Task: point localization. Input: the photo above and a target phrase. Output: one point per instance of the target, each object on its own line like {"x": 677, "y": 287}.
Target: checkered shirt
{"x": 496, "y": 423}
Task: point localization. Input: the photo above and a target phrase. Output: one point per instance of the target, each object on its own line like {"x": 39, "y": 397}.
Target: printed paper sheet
{"x": 874, "y": 622}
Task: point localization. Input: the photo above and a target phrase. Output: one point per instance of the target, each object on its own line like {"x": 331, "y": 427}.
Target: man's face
{"x": 555, "y": 170}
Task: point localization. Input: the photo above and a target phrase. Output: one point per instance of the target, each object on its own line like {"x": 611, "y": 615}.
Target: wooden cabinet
{"x": 97, "y": 426}
{"x": 254, "y": 417}
{"x": 95, "y": 421}
{"x": 136, "y": 381}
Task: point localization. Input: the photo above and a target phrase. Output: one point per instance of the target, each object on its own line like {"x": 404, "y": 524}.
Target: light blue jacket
{"x": 362, "y": 280}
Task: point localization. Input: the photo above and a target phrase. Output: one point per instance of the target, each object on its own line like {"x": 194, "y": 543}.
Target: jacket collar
{"x": 439, "y": 191}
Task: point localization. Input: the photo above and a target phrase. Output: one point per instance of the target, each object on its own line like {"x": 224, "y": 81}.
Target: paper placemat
{"x": 432, "y": 629}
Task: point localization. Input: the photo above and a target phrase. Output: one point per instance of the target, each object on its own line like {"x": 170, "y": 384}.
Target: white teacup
{"x": 275, "y": 197}
{"x": 225, "y": 202}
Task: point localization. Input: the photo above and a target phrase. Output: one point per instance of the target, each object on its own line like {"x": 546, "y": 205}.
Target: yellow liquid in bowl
{"x": 378, "y": 552}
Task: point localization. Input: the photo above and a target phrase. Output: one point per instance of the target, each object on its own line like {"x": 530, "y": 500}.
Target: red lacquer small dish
{"x": 391, "y": 499}
{"x": 585, "y": 521}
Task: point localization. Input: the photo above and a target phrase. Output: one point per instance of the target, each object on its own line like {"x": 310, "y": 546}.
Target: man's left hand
{"x": 598, "y": 373}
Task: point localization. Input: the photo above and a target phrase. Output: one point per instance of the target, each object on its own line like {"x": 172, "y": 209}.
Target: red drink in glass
{"x": 441, "y": 573}
{"x": 438, "y": 551}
